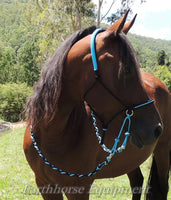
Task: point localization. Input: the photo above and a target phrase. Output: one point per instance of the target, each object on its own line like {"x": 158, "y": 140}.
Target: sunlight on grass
{"x": 17, "y": 179}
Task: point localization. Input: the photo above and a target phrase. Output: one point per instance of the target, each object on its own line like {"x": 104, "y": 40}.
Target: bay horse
{"x": 88, "y": 102}
{"x": 161, "y": 159}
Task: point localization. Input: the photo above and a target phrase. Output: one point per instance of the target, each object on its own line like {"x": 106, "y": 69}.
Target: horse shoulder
{"x": 156, "y": 88}
{"x": 160, "y": 93}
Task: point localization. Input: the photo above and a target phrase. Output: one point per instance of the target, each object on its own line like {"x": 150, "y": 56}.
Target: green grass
{"x": 16, "y": 177}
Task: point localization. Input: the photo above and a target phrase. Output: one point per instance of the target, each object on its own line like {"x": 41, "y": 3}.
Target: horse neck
{"x": 65, "y": 131}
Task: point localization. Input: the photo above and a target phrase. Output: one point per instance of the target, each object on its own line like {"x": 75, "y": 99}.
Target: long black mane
{"x": 44, "y": 100}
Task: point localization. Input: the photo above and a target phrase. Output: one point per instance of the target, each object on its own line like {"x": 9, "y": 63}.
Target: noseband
{"x": 129, "y": 111}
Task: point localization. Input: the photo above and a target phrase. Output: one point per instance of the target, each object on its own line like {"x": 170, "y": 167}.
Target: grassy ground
{"x": 17, "y": 179}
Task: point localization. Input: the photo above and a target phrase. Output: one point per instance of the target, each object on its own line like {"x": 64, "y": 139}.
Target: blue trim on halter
{"x": 93, "y": 49}
{"x": 144, "y": 104}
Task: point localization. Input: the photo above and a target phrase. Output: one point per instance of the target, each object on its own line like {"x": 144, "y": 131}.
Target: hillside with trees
{"x": 154, "y": 56}
{"x": 148, "y": 49}
{"x": 31, "y": 30}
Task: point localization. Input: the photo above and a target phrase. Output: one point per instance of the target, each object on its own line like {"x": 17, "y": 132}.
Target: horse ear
{"x": 128, "y": 25}
{"x": 118, "y": 25}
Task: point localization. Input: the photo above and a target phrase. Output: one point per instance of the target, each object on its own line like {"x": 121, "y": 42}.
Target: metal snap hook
{"x": 130, "y": 112}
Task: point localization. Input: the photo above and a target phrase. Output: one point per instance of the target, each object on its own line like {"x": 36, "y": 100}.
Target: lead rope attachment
{"x": 117, "y": 140}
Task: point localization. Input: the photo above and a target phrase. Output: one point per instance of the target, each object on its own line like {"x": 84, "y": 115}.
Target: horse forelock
{"x": 44, "y": 101}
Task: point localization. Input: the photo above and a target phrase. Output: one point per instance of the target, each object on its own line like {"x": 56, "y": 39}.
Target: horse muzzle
{"x": 146, "y": 137}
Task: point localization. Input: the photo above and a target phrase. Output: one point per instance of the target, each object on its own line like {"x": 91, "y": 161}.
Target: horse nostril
{"x": 158, "y": 131}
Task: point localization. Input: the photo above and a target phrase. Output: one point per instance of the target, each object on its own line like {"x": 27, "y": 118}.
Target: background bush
{"x": 13, "y": 98}
{"x": 164, "y": 75}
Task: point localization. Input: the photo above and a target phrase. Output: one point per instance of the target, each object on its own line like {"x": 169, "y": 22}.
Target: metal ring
{"x": 130, "y": 112}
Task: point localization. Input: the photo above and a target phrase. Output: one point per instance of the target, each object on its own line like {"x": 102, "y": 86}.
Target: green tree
{"x": 167, "y": 61}
{"x": 7, "y": 61}
{"x": 79, "y": 11}
{"x": 56, "y": 19}
{"x": 161, "y": 56}
{"x": 164, "y": 75}
{"x": 13, "y": 98}
{"x": 27, "y": 57}
{"x": 17, "y": 33}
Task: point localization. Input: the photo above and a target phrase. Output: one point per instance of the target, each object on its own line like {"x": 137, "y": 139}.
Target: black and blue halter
{"x": 129, "y": 110}
{"x": 111, "y": 152}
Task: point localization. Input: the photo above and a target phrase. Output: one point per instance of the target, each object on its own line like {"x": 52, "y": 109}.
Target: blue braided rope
{"x": 99, "y": 166}
{"x": 62, "y": 172}
{"x": 123, "y": 146}
{"x": 98, "y": 135}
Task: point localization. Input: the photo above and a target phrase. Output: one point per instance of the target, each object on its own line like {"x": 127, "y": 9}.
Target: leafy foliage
{"x": 55, "y": 20}
{"x": 161, "y": 56}
{"x": 147, "y": 50}
{"x": 154, "y": 56}
{"x": 27, "y": 57}
{"x": 7, "y": 63}
{"x": 31, "y": 30}
{"x": 165, "y": 75}
{"x": 13, "y": 97}
{"x": 19, "y": 53}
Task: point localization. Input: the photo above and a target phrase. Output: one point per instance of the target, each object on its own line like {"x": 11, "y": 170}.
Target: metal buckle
{"x": 130, "y": 112}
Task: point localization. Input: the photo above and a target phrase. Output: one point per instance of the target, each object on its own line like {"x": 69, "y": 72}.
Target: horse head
{"x": 117, "y": 83}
